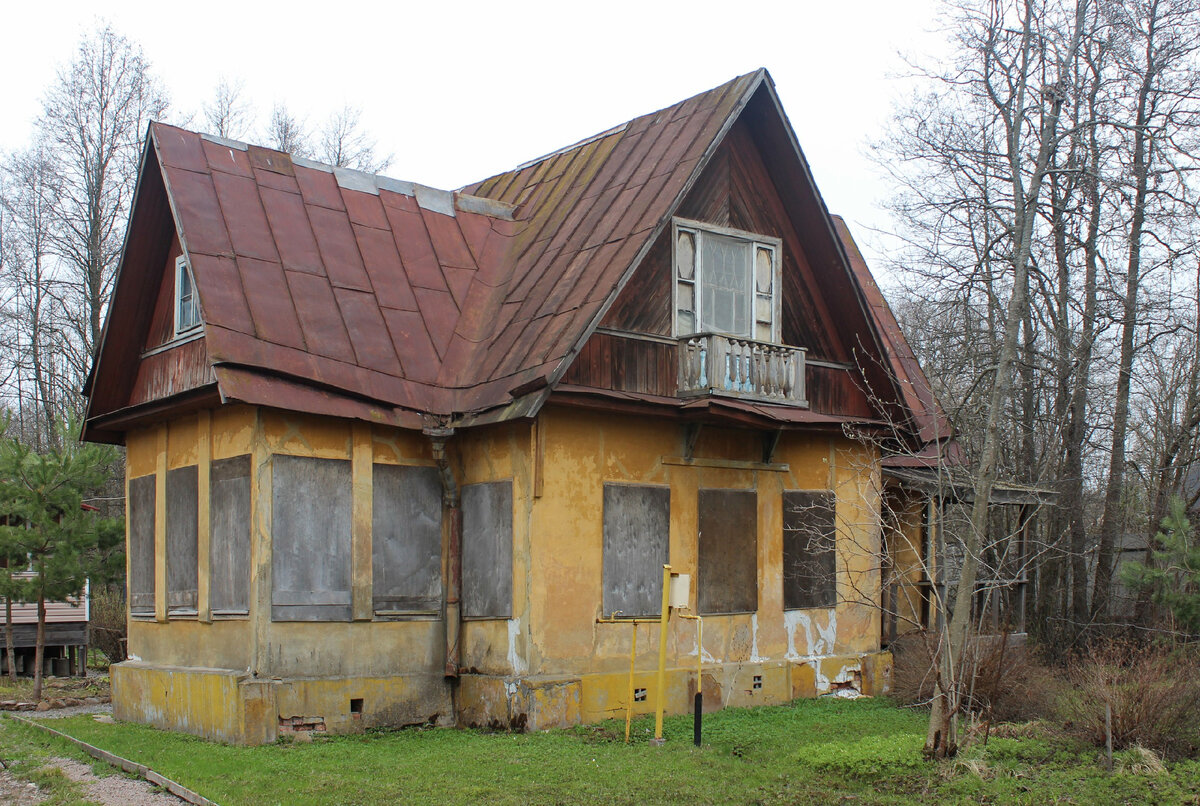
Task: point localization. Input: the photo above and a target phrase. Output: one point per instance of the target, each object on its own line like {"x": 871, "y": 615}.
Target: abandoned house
{"x": 399, "y": 454}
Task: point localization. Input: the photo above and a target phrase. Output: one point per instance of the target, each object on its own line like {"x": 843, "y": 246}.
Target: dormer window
{"x": 726, "y": 281}
{"x": 187, "y": 305}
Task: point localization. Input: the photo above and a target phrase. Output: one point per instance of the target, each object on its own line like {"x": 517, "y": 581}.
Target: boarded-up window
{"x": 406, "y": 549}
{"x": 487, "y": 550}
{"x": 809, "y": 561}
{"x": 229, "y": 545}
{"x": 182, "y": 530}
{"x": 728, "y": 563}
{"x": 140, "y": 512}
{"x": 637, "y": 523}
{"x": 310, "y": 539}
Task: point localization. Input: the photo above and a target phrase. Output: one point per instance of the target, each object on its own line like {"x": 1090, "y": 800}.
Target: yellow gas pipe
{"x": 662, "y": 653}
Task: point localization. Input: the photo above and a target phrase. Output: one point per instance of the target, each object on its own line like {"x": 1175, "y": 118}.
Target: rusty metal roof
{"x": 403, "y": 300}
{"x": 343, "y": 293}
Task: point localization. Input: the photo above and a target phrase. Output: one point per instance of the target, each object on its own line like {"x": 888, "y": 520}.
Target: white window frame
{"x": 181, "y": 266}
{"x": 754, "y": 242}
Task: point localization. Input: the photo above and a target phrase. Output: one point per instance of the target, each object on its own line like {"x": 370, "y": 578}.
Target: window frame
{"x": 754, "y": 242}
{"x": 181, "y": 266}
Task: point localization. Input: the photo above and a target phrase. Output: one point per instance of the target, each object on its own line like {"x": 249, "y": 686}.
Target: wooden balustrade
{"x": 710, "y": 363}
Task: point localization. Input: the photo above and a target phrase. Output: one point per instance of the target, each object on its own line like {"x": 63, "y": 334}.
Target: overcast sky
{"x": 459, "y": 91}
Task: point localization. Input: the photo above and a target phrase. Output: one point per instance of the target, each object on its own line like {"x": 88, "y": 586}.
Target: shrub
{"x": 1007, "y": 684}
{"x": 1154, "y": 694}
{"x": 107, "y": 628}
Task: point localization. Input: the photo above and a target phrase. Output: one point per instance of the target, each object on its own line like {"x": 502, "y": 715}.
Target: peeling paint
{"x": 754, "y": 658}
{"x": 514, "y": 657}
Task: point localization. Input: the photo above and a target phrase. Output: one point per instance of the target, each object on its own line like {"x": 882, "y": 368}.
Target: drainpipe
{"x": 451, "y": 508}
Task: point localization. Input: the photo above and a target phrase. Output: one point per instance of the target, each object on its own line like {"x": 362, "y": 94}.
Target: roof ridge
{"x": 435, "y": 199}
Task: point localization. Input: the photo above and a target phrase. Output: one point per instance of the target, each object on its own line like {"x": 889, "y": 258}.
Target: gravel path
{"x": 114, "y": 790}
{"x": 15, "y": 792}
{"x": 72, "y": 710}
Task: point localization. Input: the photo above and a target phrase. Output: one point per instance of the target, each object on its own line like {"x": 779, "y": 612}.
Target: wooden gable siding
{"x": 166, "y": 372}
{"x": 735, "y": 190}
{"x": 162, "y": 320}
{"x": 626, "y": 364}
{"x": 172, "y": 371}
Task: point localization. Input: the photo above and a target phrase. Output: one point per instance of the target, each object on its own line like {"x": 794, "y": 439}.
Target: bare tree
{"x": 227, "y": 114}
{"x": 1156, "y": 39}
{"x": 31, "y": 203}
{"x": 344, "y": 144}
{"x": 93, "y": 118}
{"x": 285, "y": 132}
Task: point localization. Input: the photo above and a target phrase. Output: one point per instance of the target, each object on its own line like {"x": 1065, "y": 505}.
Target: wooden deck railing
{"x": 710, "y": 363}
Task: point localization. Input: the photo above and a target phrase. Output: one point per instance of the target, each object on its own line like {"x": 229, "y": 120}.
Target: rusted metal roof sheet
{"x": 355, "y": 295}
{"x": 410, "y": 298}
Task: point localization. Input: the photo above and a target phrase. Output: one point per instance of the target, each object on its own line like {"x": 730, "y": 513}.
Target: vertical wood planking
{"x": 160, "y": 525}
{"x": 141, "y": 559}
{"x": 487, "y": 531}
{"x": 311, "y": 539}
{"x": 637, "y": 522}
{"x": 728, "y": 561}
{"x": 229, "y": 549}
{"x": 406, "y": 539}
{"x": 182, "y": 539}
{"x": 809, "y": 549}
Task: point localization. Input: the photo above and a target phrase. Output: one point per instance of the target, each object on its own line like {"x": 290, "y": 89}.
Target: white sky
{"x": 459, "y": 91}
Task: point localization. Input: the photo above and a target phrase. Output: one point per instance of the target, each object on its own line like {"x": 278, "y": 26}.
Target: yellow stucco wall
{"x": 553, "y": 662}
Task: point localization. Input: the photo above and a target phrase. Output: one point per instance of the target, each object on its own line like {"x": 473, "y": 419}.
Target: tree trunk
{"x": 39, "y": 651}
{"x": 1112, "y": 520}
{"x": 941, "y": 743}
{"x": 8, "y": 640}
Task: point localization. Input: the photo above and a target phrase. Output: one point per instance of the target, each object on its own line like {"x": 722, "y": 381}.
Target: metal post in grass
{"x": 1108, "y": 734}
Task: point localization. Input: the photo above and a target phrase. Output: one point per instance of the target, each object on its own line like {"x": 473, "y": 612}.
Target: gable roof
{"x": 354, "y": 295}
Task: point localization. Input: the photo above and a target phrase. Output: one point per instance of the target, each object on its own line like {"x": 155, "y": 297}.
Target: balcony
{"x": 710, "y": 363}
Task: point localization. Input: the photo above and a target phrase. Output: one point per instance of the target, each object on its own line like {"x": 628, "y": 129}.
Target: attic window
{"x": 726, "y": 281}
{"x": 187, "y": 305}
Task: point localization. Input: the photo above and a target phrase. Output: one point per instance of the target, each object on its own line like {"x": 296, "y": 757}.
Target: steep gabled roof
{"x": 353, "y": 295}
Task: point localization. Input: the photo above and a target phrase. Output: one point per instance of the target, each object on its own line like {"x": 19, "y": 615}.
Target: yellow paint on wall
{"x": 232, "y": 430}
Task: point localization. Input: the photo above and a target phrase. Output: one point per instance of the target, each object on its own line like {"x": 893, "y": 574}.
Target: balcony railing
{"x": 710, "y": 363}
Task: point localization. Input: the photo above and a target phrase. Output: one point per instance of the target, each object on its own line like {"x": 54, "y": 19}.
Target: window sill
{"x": 405, "y": 615}
{"x": 192, "y": 334}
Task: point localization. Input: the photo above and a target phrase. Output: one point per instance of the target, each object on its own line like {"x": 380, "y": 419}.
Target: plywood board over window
{"x": 182, "y": 531}
{"x": 310, "y": 539}
{"x": 140, "y": 512}
{"x": 637, "y": 523}
{"x": 728, "y": 562}
{"x": 809, "y": 558}
{"x": 229, "y": 546}
{"x": 487, "y": 550}
{"x": 406, "y": 553}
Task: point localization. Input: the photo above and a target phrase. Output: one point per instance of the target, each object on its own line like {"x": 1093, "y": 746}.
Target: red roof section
{"x": 343, "y": 293}
{"x": 416, "y": 299}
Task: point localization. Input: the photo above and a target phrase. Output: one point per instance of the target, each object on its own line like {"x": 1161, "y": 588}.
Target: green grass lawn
{"x": 808, "y": 752}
